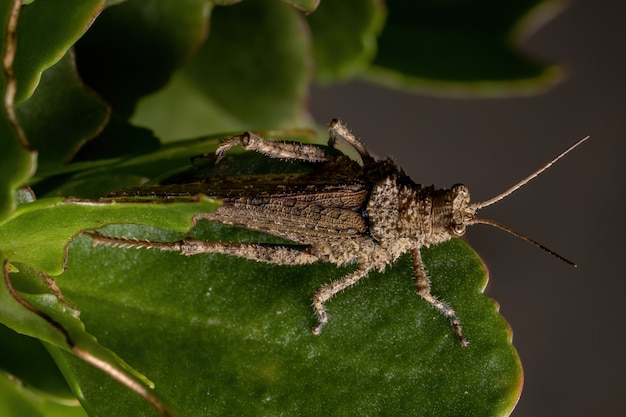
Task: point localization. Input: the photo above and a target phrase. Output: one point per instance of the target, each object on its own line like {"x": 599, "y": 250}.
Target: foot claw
{"x": 317, "y": 330}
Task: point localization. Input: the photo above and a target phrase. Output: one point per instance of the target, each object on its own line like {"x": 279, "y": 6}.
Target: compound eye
{"x": 460, "y": 190}
{"x": 458, "y": 229}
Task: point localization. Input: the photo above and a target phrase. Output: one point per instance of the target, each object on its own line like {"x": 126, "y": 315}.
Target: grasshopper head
{"x": 452, "y": 212}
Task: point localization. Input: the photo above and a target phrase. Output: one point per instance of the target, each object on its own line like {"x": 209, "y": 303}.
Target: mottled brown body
{"x": 343, "y": 212}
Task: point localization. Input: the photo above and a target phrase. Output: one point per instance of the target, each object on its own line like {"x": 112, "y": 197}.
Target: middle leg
{"x": 328, "y": 290}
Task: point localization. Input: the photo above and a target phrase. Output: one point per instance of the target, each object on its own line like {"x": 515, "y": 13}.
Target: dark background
{"x": 568, "y": 322}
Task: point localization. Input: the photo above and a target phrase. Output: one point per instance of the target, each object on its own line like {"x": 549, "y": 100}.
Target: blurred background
{"x": 567, "y": 322}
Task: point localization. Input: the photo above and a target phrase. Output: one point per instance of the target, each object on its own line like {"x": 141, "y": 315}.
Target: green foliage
{"x": 219, "y": 336}
{"x": 468, "y": 48}
{"x": 257, "y": 46}
{"x": 91, "y": 91}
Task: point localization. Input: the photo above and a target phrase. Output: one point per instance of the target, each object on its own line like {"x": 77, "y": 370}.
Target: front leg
{"x": 423, "y": 289}
{"x": 328, "y": 290}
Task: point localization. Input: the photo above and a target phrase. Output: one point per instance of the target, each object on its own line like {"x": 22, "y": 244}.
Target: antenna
{"x": 514, "y": 188}
{"x": 527, "y": 179}
{"x": 521, "y": 236}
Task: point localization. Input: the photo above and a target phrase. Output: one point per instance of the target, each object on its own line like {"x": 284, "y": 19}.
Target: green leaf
{"x": 119, "y": 138}
{"x": 304, "y": 5}
{"x": 220, "y": 335}
{"x": 58, "y": 121}
{"x": 18, "y": 400}
{"x": 46, "y": 30}
{"x": 17, "y": 160}
{"x": 344, "y": 36}
{"x": 133, "y": 47}
{"x": 26, "y": 359}
{"x": 224, "y": 336}
{"x": 252, "y": 73}
{"x": 108, "y": 3}
{"x": 61, "y": 220}
{"x": 30, "y": 302}
{"x": 466, "y": 47}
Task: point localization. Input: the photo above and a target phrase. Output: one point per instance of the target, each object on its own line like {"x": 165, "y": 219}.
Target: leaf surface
{"x": 345, "y": 36}
{"x": 17, "y": 400}
{"x": 222, "y": 336}
{"x": 464, "y": 48}
{"x": 46, "y": 30}
{"x": 59, "y": 121}
{"x": 17, "y": 160}
{"x": 219, "y": 335}
{"x": 133, "y": 47}
{"x": 251, "y": 73}
{"x": 32, "y": 304}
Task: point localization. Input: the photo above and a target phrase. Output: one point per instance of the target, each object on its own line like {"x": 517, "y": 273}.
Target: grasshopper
{"x": 344, "y": 211}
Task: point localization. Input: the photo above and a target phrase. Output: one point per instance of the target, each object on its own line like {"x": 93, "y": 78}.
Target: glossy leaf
{"x": 18, "y": 400}
{"x": 464, "y": 48}
{"x": 46, "y": 30}
{"x": 223, "y": 336}
{"x": 220, "y": 335}
{"x": 59, "y": 121}
{"x": 236, "y": 333}
{"x": 17, "y": 160}
{"x": 61, "y": 220}
{"x": 26, "y": 359}
{"x": 133, "y": 47}
{"x": 252, "y": 73}
{"x": 344, "y": 36}
{"x": 31, "y": 304}
{"x": 304, "y": 5}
